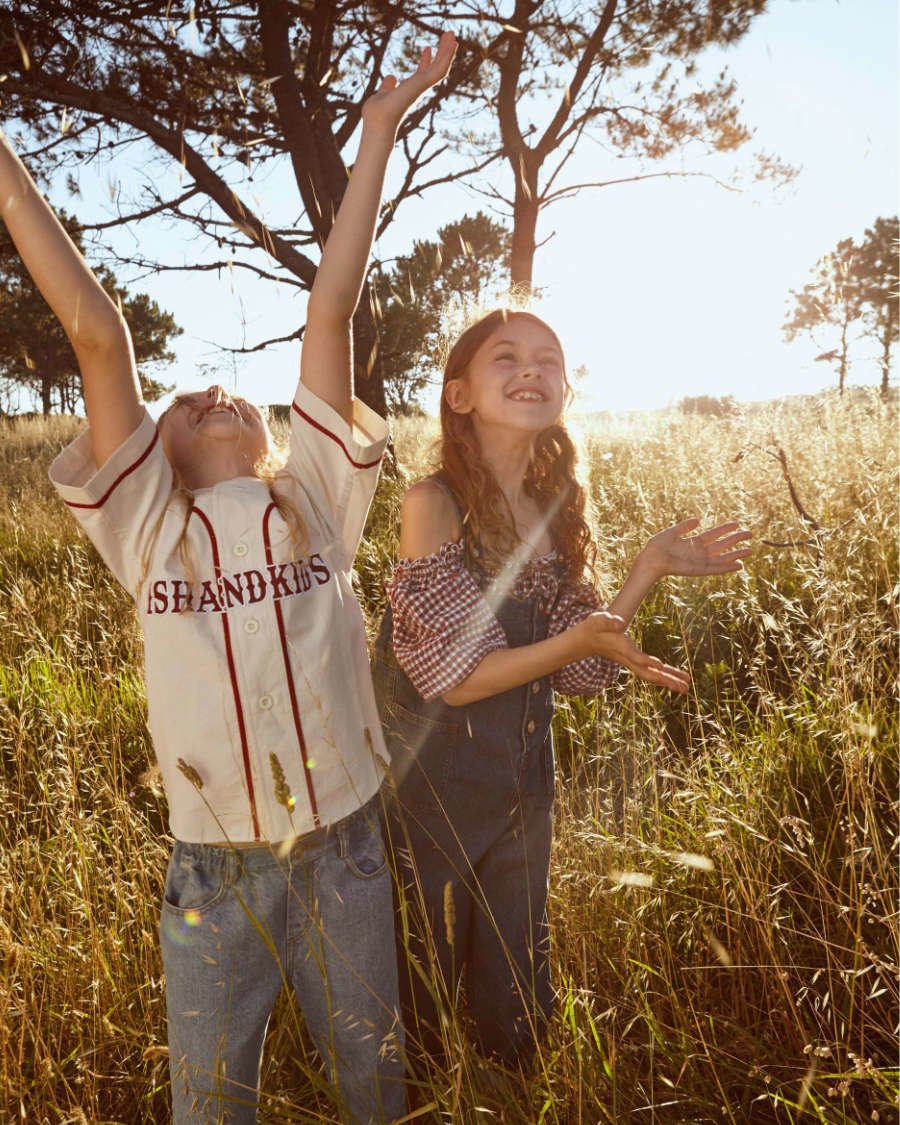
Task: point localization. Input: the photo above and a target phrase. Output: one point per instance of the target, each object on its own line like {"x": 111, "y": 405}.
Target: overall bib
{"x": 470, "y": 821}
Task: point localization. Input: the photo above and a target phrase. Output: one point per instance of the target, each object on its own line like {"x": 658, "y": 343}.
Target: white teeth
{"x": 527, "y": 396}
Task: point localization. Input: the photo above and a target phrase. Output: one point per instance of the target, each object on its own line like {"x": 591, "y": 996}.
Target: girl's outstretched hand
{"x": 389, "y": 105}
{"x": 718, "y": 550}
{"x": 604, "y": 634}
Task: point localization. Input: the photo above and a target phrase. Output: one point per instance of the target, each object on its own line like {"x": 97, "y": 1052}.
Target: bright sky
{"x": 664, "y": 288}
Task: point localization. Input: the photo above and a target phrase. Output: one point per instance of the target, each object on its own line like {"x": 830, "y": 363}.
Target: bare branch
{"x": 570, "y": 95}
{"x": 61, "y": 92}
{"x": 166, "y": 205}
{"x": 262, "y": 345}
{"x": 564, "y": 193}
{"x": 389, "y": 209}
{"x": 151, "y": 268}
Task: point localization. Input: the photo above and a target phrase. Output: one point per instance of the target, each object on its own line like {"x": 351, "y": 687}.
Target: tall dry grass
{"x": 724, "y": 890}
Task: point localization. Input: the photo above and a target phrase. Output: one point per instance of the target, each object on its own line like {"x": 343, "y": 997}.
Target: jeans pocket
{"x": 195, "y": 881}
{"x": 421, "y": 759}
{"x": 424, "y": 724}
{"x": 361, "y": 845}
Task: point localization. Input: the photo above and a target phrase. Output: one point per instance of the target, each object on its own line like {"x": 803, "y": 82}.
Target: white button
{"x": 531, "y": 725}
{"x": 535, "y": 687}
{"x": 265, "y": 702}
{"x": 240, "y": 549}
{"x": 251, "y": 626}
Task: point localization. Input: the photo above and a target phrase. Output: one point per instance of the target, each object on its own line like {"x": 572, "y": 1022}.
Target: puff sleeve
{"x": 443, "y": 627}
{"x": 584, "y": 677}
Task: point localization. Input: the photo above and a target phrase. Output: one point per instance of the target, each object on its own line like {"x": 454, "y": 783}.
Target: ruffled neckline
{"x": 538, "y": 575}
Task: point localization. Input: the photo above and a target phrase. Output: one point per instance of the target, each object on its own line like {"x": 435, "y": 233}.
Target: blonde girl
{"x": 260, "y": 702}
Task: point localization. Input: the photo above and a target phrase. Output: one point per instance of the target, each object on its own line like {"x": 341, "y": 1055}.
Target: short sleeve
{"x": 583, "y": 677}
{"x": 443, "y": 627}
{"x": 337, "y": 464}
{"x": 120, "y": 505}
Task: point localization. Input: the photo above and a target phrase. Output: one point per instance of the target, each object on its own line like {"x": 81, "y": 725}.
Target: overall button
{"x": 535, "y": 687}
{"x": 251, "y": 626}
{"x": 530, "y": 726}
{"x": 240, "y": 549}
{"x": 265, "y": 702}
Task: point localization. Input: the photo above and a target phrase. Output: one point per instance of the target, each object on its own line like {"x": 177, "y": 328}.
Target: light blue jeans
{"x": 238, "y": 924}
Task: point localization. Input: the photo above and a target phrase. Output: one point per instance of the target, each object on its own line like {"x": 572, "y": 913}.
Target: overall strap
{"x": 441, "y": 481}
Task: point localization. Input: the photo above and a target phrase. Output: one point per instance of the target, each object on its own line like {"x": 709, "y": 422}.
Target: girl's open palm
{"x": 390, "y": 104}
{"x": 606, "y": 635}
{"x": 718, "y": 550}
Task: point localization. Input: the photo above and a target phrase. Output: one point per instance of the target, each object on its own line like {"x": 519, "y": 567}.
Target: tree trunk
{"x": 525, "y": 216}
{"x": 46, "y": 388}
{"x": 885, "y": 363}
{"x": 842, "y": 370}
{"x": 368, "y": 368}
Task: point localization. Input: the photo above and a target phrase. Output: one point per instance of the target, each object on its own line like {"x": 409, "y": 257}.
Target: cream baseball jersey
{"x": 259, "y": 696}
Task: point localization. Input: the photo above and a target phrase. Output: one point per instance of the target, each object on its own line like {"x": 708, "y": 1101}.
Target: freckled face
{"x": 516, "y": 379}
{"x": 197, "y": 425}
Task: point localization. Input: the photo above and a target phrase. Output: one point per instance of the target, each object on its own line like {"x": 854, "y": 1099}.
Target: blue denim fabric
{"x": 238, "y": 924}
{"x": 472, "y": 809}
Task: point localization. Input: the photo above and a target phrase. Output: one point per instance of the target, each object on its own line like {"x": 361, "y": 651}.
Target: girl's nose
{"x": 215, "y": 393}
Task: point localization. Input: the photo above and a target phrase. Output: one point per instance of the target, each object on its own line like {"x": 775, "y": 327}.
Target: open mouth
{"x": 221, "y": 408}
{"x": 529, "y": 395}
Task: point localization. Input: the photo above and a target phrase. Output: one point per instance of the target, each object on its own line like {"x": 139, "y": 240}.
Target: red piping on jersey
{"x": 115, "y": 484}
{"x": 356, "y": 464}
{"x": 310, "y": 791}
{"x": 245, "y": 749}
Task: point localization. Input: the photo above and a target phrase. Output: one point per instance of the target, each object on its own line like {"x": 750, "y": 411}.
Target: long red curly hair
{"x": 488, "y": 526}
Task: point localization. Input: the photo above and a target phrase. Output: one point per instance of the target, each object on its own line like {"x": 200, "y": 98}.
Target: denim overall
{"x": 470, "y": 821}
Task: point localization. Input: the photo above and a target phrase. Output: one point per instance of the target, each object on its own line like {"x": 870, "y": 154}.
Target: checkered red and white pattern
{"x": 584, "y": 677}
{"x": 444, "y": 626}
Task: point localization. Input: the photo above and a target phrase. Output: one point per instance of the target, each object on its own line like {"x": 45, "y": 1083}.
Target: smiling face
{"x": 515, "y": 379}
{"x": 212, "y": 434}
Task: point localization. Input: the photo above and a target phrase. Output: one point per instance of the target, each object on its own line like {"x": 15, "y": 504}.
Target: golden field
{"x": 724, "y": 884}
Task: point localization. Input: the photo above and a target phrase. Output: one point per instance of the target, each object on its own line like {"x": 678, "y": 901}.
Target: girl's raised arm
{"x": 326, "y": 365}
{"x": 89, "y": 318}
{"x": 685, "y": 551}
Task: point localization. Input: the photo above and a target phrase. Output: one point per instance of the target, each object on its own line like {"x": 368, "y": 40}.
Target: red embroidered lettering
{"x": 321, "y": 570}
{"x": 158, "y": 602}
{"x": 256, "y": 585}
{"x": 280, "y": 587}
{"x": 230, "y": 592}
{"x": 209, "y": 602}
{"x": 182, "y": 596}
{"x": 301, "y": 576}
{"x": 279, "y": 580}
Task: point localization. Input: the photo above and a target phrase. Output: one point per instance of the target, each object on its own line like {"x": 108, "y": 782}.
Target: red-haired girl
{"x": 261, "y": 707}
{"x": 491, "y": 612}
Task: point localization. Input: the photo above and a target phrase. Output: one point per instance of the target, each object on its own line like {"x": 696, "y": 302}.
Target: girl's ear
{"x": 456, "y": 392}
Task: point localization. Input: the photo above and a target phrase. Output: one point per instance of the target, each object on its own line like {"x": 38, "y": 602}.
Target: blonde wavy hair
{"x": 488, "y": 525}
